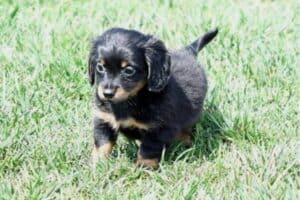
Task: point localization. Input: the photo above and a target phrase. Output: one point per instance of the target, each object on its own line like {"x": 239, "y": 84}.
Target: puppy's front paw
{"x": 101, "y": 152}
{"x": 147, "y": 163}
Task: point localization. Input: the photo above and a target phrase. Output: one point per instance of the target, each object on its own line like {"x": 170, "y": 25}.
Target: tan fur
{"x": 124, "y": 63}
{"x": 101, "y": 152}
{"x": 107, "y": 117}
{"x": 148, "y": 163}
{"x": 138, "y": 143}
{"x": 122, "y": 94}
{"x": 100, "y": 91}
{"x": 115, "y": 124}
{"x": 130, "y": 122}
{"x": 185, "y": 138}
{"x": 137, "y": 88}
{"x": 102, "y": 61}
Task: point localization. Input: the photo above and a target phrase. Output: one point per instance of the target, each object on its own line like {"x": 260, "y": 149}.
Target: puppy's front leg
{"x": 104, "y": 140}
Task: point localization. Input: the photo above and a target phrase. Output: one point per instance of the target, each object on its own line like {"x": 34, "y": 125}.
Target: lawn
{"x": 247, "y": 144}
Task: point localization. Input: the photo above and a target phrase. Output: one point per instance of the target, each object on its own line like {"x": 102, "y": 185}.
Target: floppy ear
{"x": 91, "y": 70}
{"x": 158, "y": 61}
{"x": 98, "y": 41}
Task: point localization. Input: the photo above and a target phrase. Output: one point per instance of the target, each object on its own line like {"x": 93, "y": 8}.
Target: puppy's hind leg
{"x": 185, "y": 136}
{"x": 152, "y": 146}
{"x": 150, "y": 153}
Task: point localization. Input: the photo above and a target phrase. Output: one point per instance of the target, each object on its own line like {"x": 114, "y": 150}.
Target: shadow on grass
{"x": 208, "y": 134}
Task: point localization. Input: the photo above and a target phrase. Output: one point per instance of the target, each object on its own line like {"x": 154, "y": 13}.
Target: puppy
{"x": 145, "y": 91}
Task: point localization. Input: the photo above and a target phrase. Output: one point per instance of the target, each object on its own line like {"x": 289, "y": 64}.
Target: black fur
{"x": 198, "y": 44}
{"x": 158, "y": 62}
{"x": 171, "y": 100}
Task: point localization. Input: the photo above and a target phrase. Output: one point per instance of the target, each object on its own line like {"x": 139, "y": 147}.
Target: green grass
{"x": 247, "y": 144}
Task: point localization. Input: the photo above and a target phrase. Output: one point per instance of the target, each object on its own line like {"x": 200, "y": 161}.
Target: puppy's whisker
{"x": 131, "y": 102}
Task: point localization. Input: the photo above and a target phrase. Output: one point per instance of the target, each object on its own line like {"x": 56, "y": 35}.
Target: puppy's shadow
{"x": 208, "y": 134}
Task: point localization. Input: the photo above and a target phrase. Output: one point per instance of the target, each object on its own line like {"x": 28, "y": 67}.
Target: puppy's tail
{"x": 201, "y": 42}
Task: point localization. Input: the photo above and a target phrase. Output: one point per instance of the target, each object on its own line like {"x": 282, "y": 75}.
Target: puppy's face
{"x": 122, "y": 62}
{"x": 119, "y": 73}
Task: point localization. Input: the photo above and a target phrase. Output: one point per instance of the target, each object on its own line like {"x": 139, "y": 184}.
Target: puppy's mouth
{"x": 115, "y": 96}
{"x": 119, "y": 94}
{"x": 114, "y": 99}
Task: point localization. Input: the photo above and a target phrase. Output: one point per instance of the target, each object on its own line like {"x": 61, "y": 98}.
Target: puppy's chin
{"x": 114, "y": 99}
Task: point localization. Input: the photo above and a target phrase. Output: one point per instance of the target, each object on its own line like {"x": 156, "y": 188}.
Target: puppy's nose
{"x": 108, "y": 93}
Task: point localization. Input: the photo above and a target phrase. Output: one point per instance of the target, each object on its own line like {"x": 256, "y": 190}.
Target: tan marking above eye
{"x": 124, "y": 63}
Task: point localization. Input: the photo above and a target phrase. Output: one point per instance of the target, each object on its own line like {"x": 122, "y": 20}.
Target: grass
{"x": 247, "y": 144}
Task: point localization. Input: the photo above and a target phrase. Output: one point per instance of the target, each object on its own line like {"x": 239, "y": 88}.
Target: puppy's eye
{"x": 100, "y": 68}
{"x": 129, "y": 71}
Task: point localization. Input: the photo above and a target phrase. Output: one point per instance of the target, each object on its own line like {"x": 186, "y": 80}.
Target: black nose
{"x": 108, "y": 93}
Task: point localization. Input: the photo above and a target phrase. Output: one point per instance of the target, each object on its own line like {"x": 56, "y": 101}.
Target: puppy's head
{"x": 122, "y": 62}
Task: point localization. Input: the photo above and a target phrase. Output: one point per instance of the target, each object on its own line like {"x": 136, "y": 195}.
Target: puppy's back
{"x": 189, "y": 79}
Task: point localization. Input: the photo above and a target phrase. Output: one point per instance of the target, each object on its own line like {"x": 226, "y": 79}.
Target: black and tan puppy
{"x": 145, "y": 91}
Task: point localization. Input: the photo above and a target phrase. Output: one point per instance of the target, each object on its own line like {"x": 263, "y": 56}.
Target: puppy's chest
{"x": 125, "y": 118}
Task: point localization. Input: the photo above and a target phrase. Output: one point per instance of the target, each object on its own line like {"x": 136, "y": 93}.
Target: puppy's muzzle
{"x": 109, "y": 93}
